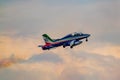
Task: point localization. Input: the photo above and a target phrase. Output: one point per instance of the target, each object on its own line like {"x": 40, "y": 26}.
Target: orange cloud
{"x": 9, "y": 61}
{"x": 107, "y": 50}
{"x": 5, "y": 63}
{"x": 21, "y": 47}
{"x": 75, "y": 62}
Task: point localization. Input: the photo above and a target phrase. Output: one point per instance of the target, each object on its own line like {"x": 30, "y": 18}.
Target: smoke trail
{"x": 9, "y": 61}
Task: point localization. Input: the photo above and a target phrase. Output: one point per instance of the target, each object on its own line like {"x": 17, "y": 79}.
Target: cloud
{"x": 45, "y": 57}
{"x": 23, "y": 23}
{"x": 29, "y": 71}
{"x": 9, "y": 61}
{"x": 93, "y": 61}
{"x": 81, "y": 65}
{"x": 74, "y": 74}
{"x": 105, "y": 49}
{"x": 22, "y": 47}
{"x": 89, "y": 66}
{"x": 99, "y": 18}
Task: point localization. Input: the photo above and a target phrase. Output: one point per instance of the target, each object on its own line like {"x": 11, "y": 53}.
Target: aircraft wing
{"x": 74, "y": 43}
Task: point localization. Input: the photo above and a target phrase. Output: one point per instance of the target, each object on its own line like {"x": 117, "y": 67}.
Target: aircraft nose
{"x": 88, "y": 35}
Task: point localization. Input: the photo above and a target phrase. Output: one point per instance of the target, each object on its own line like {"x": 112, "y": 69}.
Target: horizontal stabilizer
{"x": 40, "y": 45}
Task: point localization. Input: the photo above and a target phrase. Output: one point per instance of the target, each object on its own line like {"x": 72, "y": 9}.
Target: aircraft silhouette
{"x": 69, "y": 40}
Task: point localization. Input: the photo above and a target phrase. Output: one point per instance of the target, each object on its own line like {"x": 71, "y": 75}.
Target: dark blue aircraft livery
{"x": 69, "y": 40}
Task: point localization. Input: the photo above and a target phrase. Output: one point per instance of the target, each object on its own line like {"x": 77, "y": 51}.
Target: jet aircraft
{"x": 68, "y": 40}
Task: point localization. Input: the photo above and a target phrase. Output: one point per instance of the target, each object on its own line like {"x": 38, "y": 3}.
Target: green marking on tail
{"x": 47, "y": 38}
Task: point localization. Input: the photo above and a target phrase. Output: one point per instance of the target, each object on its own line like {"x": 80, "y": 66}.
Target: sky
{"x": 22, "y": 22}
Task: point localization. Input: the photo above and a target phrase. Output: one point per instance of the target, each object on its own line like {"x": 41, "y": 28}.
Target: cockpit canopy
{"x": 77, "y": 34}
{"x": 73, "y": 34}
{"x": 67, "y": 36}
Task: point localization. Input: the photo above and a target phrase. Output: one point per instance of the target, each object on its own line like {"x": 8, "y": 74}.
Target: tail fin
{"x": 47, "y": 39}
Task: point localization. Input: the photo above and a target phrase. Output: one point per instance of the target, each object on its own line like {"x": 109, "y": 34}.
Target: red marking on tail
{"x": 47, "y": 44}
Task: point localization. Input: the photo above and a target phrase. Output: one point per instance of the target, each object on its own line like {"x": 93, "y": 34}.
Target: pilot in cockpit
{"x": 77, "y": 34}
